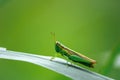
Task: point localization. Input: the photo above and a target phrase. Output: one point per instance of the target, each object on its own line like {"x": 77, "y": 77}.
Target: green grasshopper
{"x": 73, "y": 55}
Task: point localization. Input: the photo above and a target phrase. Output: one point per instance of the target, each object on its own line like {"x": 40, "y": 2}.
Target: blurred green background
{"x": 87, "y": 26}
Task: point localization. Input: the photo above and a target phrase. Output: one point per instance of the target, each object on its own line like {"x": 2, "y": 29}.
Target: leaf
{"x": 58, "y": 65}
{"x": 112, "y": 59}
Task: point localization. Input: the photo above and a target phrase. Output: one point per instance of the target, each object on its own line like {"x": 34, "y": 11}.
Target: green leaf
{"x": 58, "y": 65}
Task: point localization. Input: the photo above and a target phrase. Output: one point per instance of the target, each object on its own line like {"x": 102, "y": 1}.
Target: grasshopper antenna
{"x": 54, "y": 38}
{"x": 53, "y": 34}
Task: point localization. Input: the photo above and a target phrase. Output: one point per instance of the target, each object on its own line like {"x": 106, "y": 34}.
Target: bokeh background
{"x": 91, "y": 27}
